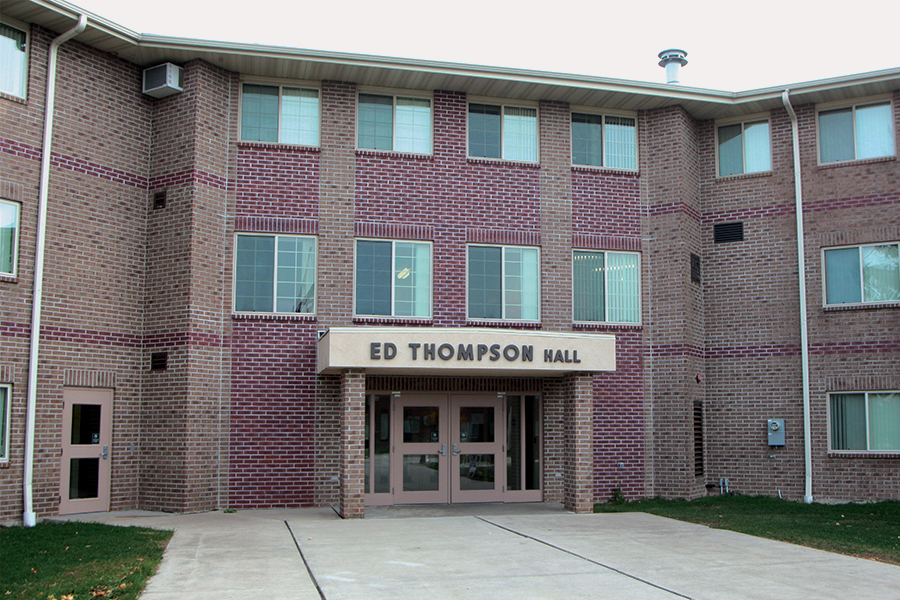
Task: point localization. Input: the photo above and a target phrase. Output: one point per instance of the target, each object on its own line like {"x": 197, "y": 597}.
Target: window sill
{"x": 872, "y": 306}
{"x": 505, "y": 324}
{"x": 272, "y": 317}
{"x": 605, "y": 170}
{"x": 863, "y": 454}
{"x": 279, "y": 146}
{"x": 391, "y": 321}
{"x": 4, "y": 464}
{"x": 12, "y": 98}
{"x": 856, "y": 163}
{"x": 740, "y": 176}
{"x": 475, "y": 160}
{"x": 392, "y": 154}
{"x": 9, "y": 279}
{"x": 607, "y": 326}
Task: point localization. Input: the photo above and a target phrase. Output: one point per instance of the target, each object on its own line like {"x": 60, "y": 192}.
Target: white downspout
{"x": 29, "y": 517}
{"x": 801, "y": 266}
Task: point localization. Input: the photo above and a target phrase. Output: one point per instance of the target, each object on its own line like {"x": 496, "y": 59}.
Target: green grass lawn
{"x": 864, "y": 530}
{"x": 78, "y": 561}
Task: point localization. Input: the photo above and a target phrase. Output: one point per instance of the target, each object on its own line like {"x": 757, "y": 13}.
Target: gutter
{"x": 801, "y": 268}
{"x": 29, "y": 517}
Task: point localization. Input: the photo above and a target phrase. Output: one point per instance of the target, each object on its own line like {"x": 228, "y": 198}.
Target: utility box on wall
{"x": 775, "y": 428}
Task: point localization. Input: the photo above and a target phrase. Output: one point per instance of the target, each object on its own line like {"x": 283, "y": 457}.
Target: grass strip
{"x": 864, "y": 530}
{"x": 78, "y": 561}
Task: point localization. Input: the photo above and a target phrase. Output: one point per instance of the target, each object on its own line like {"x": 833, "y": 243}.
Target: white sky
{"x": 732, "y": 46}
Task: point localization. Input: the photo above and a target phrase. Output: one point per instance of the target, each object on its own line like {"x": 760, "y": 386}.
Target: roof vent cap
{"x": 672, "y": 60}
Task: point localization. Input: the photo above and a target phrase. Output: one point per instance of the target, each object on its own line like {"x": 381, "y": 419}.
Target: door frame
{"x": 102, "y": 449}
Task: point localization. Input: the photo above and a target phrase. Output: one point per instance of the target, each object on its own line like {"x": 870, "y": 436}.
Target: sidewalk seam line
{"x": 305, "y": 563}
{"x": 584, "y": 558}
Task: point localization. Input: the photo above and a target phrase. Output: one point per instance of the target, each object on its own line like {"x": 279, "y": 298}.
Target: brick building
{"x": 289, "y": 278}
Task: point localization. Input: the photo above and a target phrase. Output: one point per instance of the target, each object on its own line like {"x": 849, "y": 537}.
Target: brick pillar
{"x": 353, "y": 413}
{"x": 578, "y": 470}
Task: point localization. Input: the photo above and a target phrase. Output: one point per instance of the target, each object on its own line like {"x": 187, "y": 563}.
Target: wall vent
{"x": 159, "y": 361}
{"x": 728, "y": 232}
{"x": 159, "y": 200}
{"x": 695, "y": 268}
{"x": 163, "y": 80}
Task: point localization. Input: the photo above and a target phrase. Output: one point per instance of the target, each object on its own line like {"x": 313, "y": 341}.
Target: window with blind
{"x": 275, "y": 274}
{"x": 604, "y": 141}
{"x": 4, "y": 422}
{"x": 394, "y": 123}
{"x": 13, "y": 60}
{"x": 865, "y": 421}
{"x": 743, "y": 148}
{"x": 503, "y": 283}
{"x": 862, "y": 274}
{"x": 606, "y": 287}
{"x": 856, "y": 132}
{"x": 9, "y": 237}
{"x": 504, "y": 132}
{"x": 393, "y": 278}
{"x": 280, "y": 114}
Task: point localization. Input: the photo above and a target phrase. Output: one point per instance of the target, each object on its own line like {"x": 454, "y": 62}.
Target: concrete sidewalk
{"x": 488, "y": 551}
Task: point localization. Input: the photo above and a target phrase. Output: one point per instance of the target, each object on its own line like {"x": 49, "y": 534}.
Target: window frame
{"x": 394, "y": 94}
{"x": 503, "y": 304}
{"x": 868, "y": 424}
{"x": 862, "y": 281}
{"x": 606, "y": 304}
{"x": 854, "y": 105}
{"x": 504, "y": 104}
{"x": 276, "y": 236}
{"x": 26, "y": 29}
{"x": 393, "y": 298}
{"x": 14, "y": 259}
{"x": 604, "y": 113}
{"x": 743, "y": 120}
{"x": 281, "y": 84}
{"x": 5, "y": 420}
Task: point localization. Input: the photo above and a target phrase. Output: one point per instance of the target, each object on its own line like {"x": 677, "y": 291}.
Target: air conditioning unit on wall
{"x": 163, "y": 80}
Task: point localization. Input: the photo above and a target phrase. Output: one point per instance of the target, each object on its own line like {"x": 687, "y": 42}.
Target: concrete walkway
{"x": 493, "y": 552}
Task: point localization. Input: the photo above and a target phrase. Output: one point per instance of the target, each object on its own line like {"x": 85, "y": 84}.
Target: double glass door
{"x": 439, "y": 448}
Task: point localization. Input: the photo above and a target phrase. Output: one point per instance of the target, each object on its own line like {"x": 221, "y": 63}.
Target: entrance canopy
{"x": 456, "y": 350}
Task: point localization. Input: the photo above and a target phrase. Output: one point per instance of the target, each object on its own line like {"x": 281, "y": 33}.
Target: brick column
{"x": 353, "y": 412}
{"x": 556, "y": 217}
{"x": 578, "y": 470}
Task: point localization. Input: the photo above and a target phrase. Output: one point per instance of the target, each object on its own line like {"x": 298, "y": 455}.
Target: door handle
{"x": 105, "y": 454}
{"x": 455, "y": 449}
{"x": 443, "y": 449}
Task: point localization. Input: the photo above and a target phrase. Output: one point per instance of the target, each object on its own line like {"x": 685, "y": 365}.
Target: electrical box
{"x": 163, "y": 80}
{"x": 775, "y": 428}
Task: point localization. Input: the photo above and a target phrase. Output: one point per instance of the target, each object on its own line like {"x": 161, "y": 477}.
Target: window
{"x": 503, "y": 283}
{"x": 4, "y": 422}
{"x": 744, "y": 148}
{"x": 865, "y": 421}
{"x": 393, "y": 278}
{"x": 394, "y": 123}
{"x": 273, "y": 113}
{"x": 862, "y": 274}
{"x": 13, "y": 59}
{"x": 856, "y": 132}
{"x": 275, "y": 273}
{"x": 9, "y": 229}
{"x": 606, "y": 287}
{"x": 604, "y": 141}
{"x": 507, "y": 132}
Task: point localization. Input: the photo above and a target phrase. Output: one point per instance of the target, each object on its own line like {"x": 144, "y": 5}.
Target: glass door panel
{"x": 420, "y": 450}
{"x": 523, "y": 448}
{"x": 477, "y": 438}
{"x": 86, "y": 457}
{"x": 378, "y": 449}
